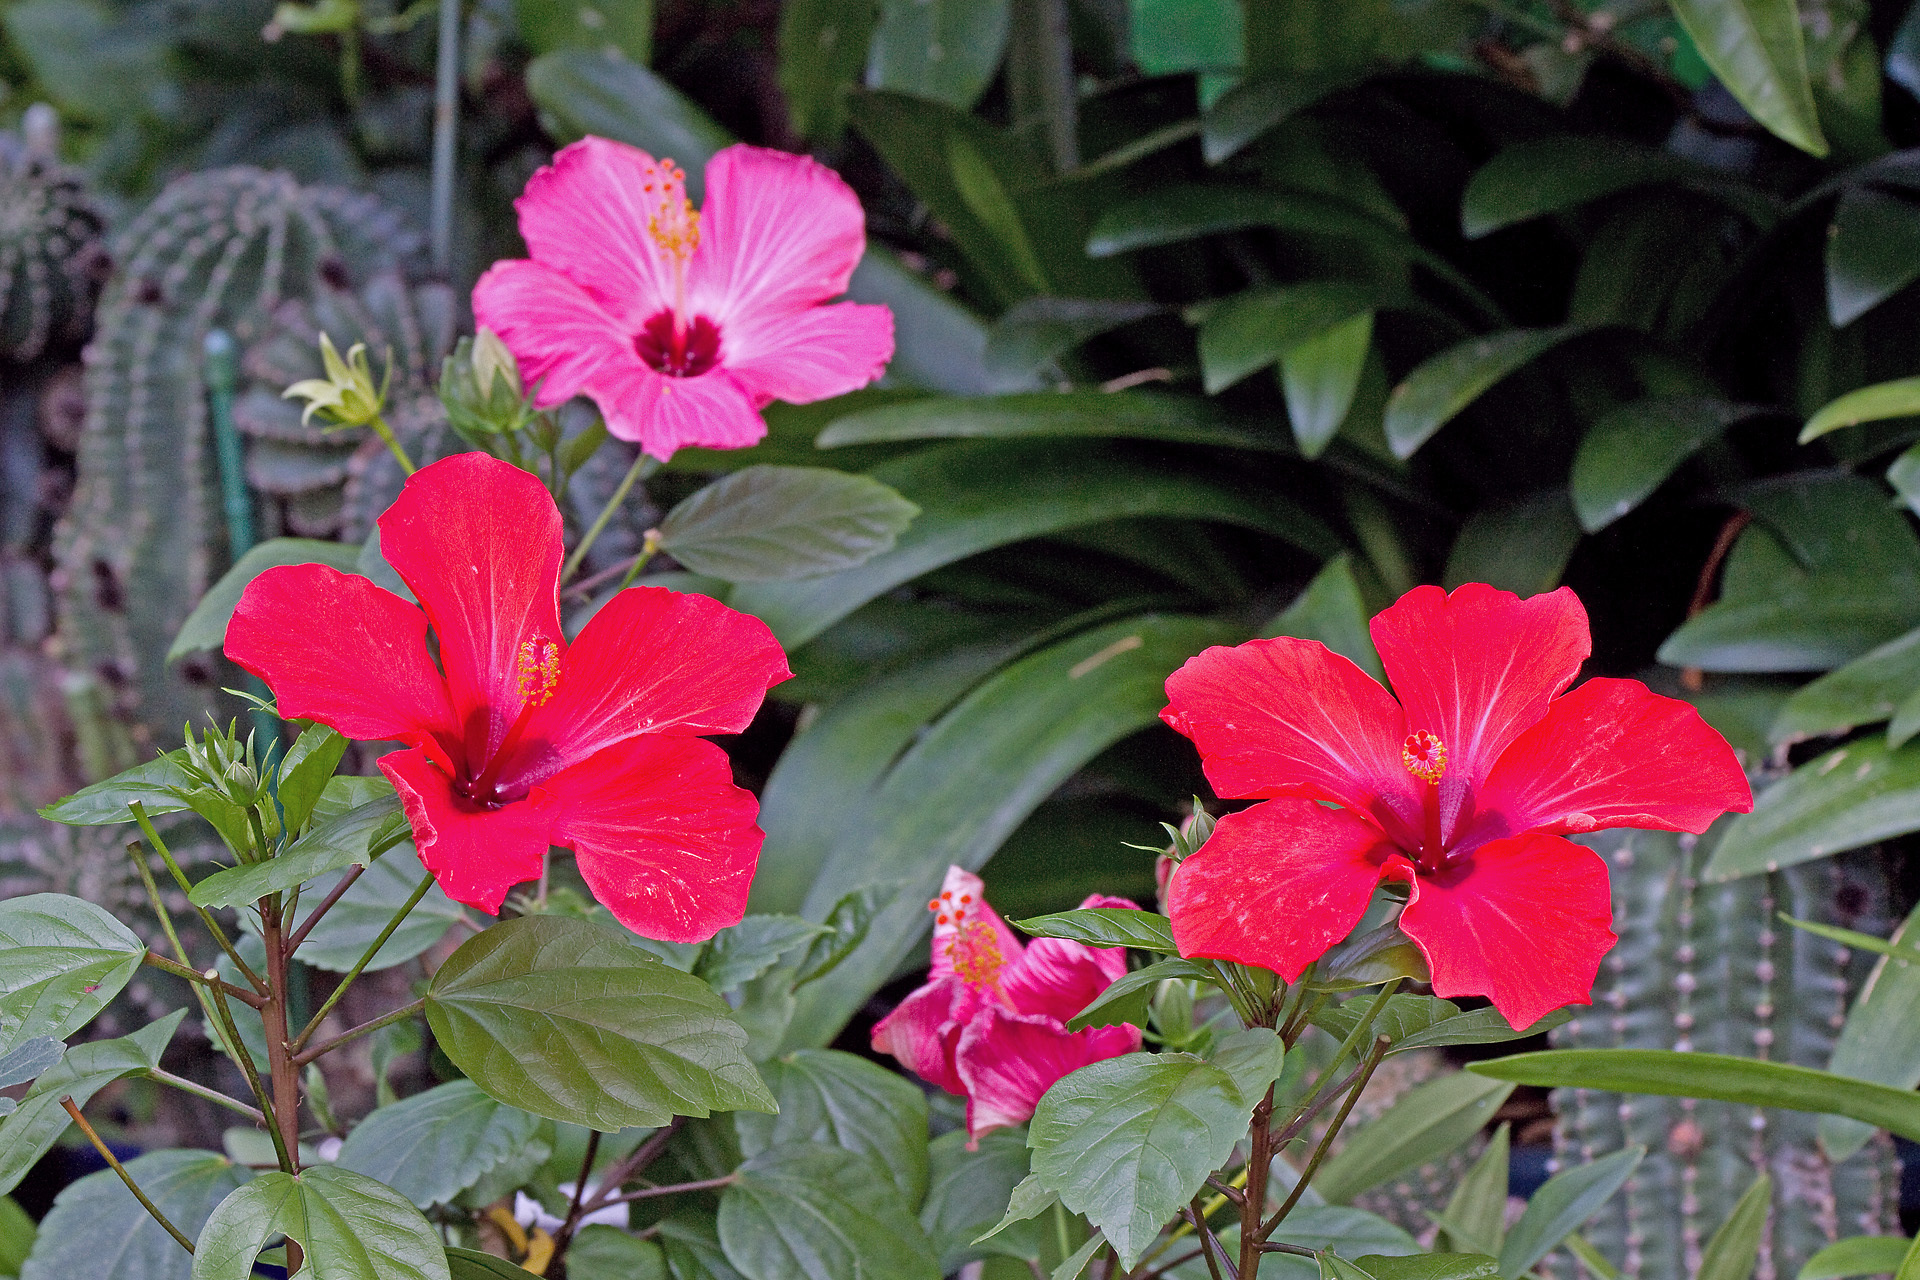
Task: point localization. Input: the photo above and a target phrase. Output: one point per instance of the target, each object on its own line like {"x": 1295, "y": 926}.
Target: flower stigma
{"x": 974, "y": 947}
{"x": 1425, "y": 757}
{"x": 674, "y": 225}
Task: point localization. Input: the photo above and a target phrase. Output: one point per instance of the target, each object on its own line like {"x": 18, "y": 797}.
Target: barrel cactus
{"x": 52, "y": 255}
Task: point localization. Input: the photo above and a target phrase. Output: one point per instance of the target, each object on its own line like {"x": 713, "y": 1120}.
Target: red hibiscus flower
{"x": 1462, "y": 789}
{"x": 519, "y": 740}
{"x": 990, "y": 1022}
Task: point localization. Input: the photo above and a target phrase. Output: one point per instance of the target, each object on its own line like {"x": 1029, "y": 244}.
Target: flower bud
{"x": 491, "y": 361}
{"x": 347, "y": 396}
{"x": 481, "y": 389}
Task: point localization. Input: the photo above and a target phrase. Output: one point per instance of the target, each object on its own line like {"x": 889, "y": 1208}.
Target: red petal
{"x": 1290, "y": 717}
{"x": 1523, "y": 921}
{"x": 1277, "y": 884}
{"x": 476, "y": 852}
{"x": 651, "y": 661}
{"x": 663, "y": 837}
{"x": 1477, "y": 668}
{"x": 924, "y": 1030}
{"x": 1006, "y": 1061}
{"x": 1613, "y": 754}
{"x": 478, "y": 542}
{"x": 335, "y": 648}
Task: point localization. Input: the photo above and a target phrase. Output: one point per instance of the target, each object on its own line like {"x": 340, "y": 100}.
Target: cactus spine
{"x": 51, "y": 251}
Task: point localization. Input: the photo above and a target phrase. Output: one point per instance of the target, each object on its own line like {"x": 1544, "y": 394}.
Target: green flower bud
{"x": 347, "y": 396}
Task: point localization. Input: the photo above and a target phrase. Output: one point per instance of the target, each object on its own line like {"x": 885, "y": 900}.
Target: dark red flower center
{"x": 538, "y": 673}
{"x": 1426, "y": 759}
{"x": 678, "y": 352}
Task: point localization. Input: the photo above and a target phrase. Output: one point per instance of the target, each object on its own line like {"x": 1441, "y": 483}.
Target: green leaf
{"x": 1442, "y": 386}
{"x": 1747, "y": 1081}
{"x": 28, "y": 1059}
{"x": 1187, "y": 211}
{"x": 1868, "y": 689}
{"x": 1897, "y": 399}
{"x": 206, "y": 627}
{"x": 1852, "y": 795}
{"x": 1857, "y": 1256}
{"x": 1429, "y": 1266}
{"x": 37, "y": 1124}
{"x": 839, "y": 1100}
{"x": 1029, "y": 1200}
{"x": 1106, "y": 927}
{"x": 471, "y": 1264}
{"x": 1814, "y": 623}
{"x": 1127, "y": 998}
{"x": 1735, "y": 1247}
{"x": 607, "y": 1253}
{"x": 581, "y": 92}
{"x": 572, "y": 1021}
{"x": 1632, "y": 450}
{"x": 1873, "y": 251}
{"x": 1521, "y": 547}
{"x": 1345, "y": 1230}
{"x": 823, "y": 51}
{"x": 350, "y": 1227}
{"x": 1035, "y": 332}
{"x": 946, "y": 50}
{"x": 62, "y": 960}
{"x": 1137, "y": 415}
{"x": 1880, "y": 1040}
{"x": 1755, "y": 48}
{"x": 1254, "y": 106}
{"x": 968, "y": 1193}
{"x": 743, "y": 952}
{"x": 809, "y": 1212}
{"x": 987, "y": 199}
{"x": 1476, "y": 1216}
{"x": 436, "y": 1144}
{"x": 357, "y": 836}
{"x": 1320, "y": 378}
{"x": 17, "y": 1233}
{"x": 1551, "y": 174}
{"x": 1478, "y": 1026}
{"x": 768, "y": 524}
{"x": 547, "y": 25}
{"x": 1253, "y": 1057}
{"x": 1332, "y": 610}
{"x": 1128, "y": 1141}
{"x": 305, "y": 773}
{"x": 349, "y": 928}
{"x": 1248, "y": 331}
{"x": 1421, "y": 1126}
{"x": 1562, "y": 1203}
{"x": 1076, "y": 1262}
{"x": 105, "y": 803}
{"x": 98, "y": 1230}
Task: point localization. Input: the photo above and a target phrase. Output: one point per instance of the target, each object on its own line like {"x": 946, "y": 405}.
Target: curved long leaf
{"x": 360, "y": 835}
{"x": 1897, "y": 399}
{"x": 1866, "y": 690}
{"x": 1631, "y": 451}
{"x": 1423, "y": 1125}
{"x": 1811, "y": 623}
{"x": 771, "y": 523}
{"x": 1755, "y": 47}
{"x": 1254, "y": 106}
{"x": 1136, "y": 415}
{"x": 1545, "y": 176}
{"x": 1852, "y": 795}
{"x": 1434, "y": 392}
{"x": 1858, "y": 1256}
{"x": 1557, "y": 1209}
{"x": 1881, "y": 1038}
{"x": 1873, "y": 251}
{"x": 206, "y": 626}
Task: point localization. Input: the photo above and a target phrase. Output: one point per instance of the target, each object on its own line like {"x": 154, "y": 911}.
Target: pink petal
{"x": 478, "y": 542}
{"x": 476, "y": 852}
{"x": 564, "y": 341}
{"x": 778, "y": 233}
{"x": 924, "y": 1029}
{"x": 586, "y": 216}
{"x": 651, "y": 661}
{"x": 1058, "y": 977}
{"x": 714, "y": 410}
{"x": 1290, "y": 717}
{"x": 335, "y": 648}
{"x": 1007, "y": 1061}
{"x": 1523, "y": 921}
{"x": 1613, "y": 754}
{"x": 663, "y": 838}
{"x": 964, "y": 890}
{"x": 1278, "y": 884}
{"x": 809, "y": 355}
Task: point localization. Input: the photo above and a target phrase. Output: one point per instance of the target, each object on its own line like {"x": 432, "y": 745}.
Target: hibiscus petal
{"x": 335, "y": 648}
{"x": 476, "y": 852}
{"x": 778, "y": 233}
{"x": 1278, "y": 884}
{"x": 651, "y": 661}
{"x": 924, "y": 1030}
{"x": 1524, "y": 922}
{"x": 564, "y": 341}
{"x": 715, "y": 410}
{"x": 809, "y": 355}
{"x": 478, "y": 542}
{"x": 966, "y": 899}
{"x": 1292, "y": 718}
{"x": 1058, "y": 977}
{"x": 1478, "y": 667}
{"x": 586, "y": 215}
{"x": 1007, "y": 1061}
{"x": 1613, "y": 754}
{"x": 662, "y": 836}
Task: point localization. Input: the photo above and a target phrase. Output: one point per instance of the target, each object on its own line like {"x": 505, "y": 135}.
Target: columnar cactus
{"x": 51, "y": 252}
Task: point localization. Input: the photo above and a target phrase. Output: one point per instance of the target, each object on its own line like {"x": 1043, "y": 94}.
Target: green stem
{"x": 639, "y": 470}
{"x": 219, "y": 935}
{"x": 446, "y": 120}
{"x": 385, "y": 432}
{"x": 366, "y": 958}
{"x": 1360, "y": 1029}
{"x": 211, "y": 1095}
{"x": 244, "y": 1061}
{"x": 326, "y": 1047}
{"x": 106, "y": 1153}
{"x": 1378, "y": 1052}
{"x": 648, "y": 547}
{"x": 165, "y": 965}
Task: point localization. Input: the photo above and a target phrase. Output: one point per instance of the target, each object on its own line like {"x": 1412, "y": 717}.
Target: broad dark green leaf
{"x": 1476, "y": 1216}
{"x": 1254, "y": 106}
{"x": 823, "y": 51}
{"x": 1521, "y": 547}
{"x": 746, "y": 950}
{"x": 96, "y": 1228}
{"x": 968, "y": 1194}
{"x": 768, "y": 524}
{"x": 26, "y": 1060}
{"x": 471, "y": 1264}
{"x": 1555, "y": 173}
{"x": 1897, "y": 399}
{"x": 839, "y": 1100}
{"x": 350, "y": 1226}
{"x": 1252, "y": 1057}
{"x": 349, "y": 928}
{"x": 1428, "y": 1022}
{"x": 946, "y": 50}
{"x": 570, "y": 1020}
{"x": 547, "y": 25}
{"x": 1873, "y": 251}
{"x": 360, "y": 835}
{"x": 1248, "y": 331}
{"x": 1880, "y": 1040}
{"x": 1345, "y": 1230}
{"x": 1332, "y": 610}
{"x": 1735, "y": 1246}
{"x": 105, "y": 803}
{"x": 608, "y": 1253}
{"x": 1140, "y": 415}
{"x": 1562, "y": 1203}
{"x": 1852, "y": 795}
{"x": 1035, "y": 332}
{"x": 436, "y": 1144}
{"x": 1423, "y": 1125}
{"x": 1127, "y": 1142}
{"x": 1320, "y": 377}
{"x": 810, "y": 1212}
{"x": 62, "y": 960}
{"x": 1811, "y": 623}
{"x": 1632, "y": 450}
{"x": 1429, "y": 1266}
{"x": 1747, "y": 1081}
{"x": 1755, "y": 47}
{"x": 1128, "y": 997}
{"x": 1179, "y": 212}
{"x": 1106, "y": 927}
{"x": 306, "y": 772}
{"x": 206, "y": 627}
{"x": 1442, "y": 386}
{"x": 988, "y": 199}
{"x": 17, "y": 1232}
{"x": 1857, "y": 1256}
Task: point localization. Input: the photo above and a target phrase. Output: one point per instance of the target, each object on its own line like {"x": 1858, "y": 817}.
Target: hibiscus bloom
{"x": 526, "y": 740}
{"x": 1462, "y": 789}
{"x": 680, "y": 325}
{"x": 990, "y": 1023}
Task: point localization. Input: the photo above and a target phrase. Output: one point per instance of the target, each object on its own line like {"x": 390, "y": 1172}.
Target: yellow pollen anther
{"x": 673, "y": 222}
{"x": 1425, "y": 757}
{"x": 539, "y": 670}
{"x": 975, "y": 952}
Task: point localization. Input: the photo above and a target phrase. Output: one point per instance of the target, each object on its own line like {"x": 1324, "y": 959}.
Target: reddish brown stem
{"x": 1692, "y": 678}
{"x": 1259, "y": 1164}
{"x": 283, "y": 1073}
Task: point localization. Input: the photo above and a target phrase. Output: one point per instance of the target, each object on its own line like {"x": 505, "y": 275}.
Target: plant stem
{"x": 106, "y": 1154}
{"x": 1209, "y": 1244}
{"x": 285, "y": 1073}
{"x": 406, "y": 909}
{"x": 648, "y": 1193}
{"x": 642, "y": 1156}
{"x": 244, "y": 1061}
{"x": 165, "y": 965}
{"x": 1254, "y": 1201}
{"x": 219, "y": 935}
{"x": 638, "y": 470}
{"x": 326, "y": 1047}
{"x": 334, "y": 895}
{"x": 446, "y": 120}
{"x": 1378, "y": 1052}
{"x": 211, "y": 1095}
{"x": 648, "y": 546}
{"x": 385, "y": 432}
{"x": 564, "y": 1236}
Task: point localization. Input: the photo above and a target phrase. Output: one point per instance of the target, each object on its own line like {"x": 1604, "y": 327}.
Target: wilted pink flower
{"x": 683, "y": 325}
{"x": 990, "y": 1022}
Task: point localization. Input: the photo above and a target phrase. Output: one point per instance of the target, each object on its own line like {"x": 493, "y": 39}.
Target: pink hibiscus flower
{"x": 680, "y": 325}
{"x": 990, "y": 1022}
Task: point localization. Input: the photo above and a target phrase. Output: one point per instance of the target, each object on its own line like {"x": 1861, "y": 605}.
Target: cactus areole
{"x": 1462, "y": 789}
{"x": 527, "y": 741}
